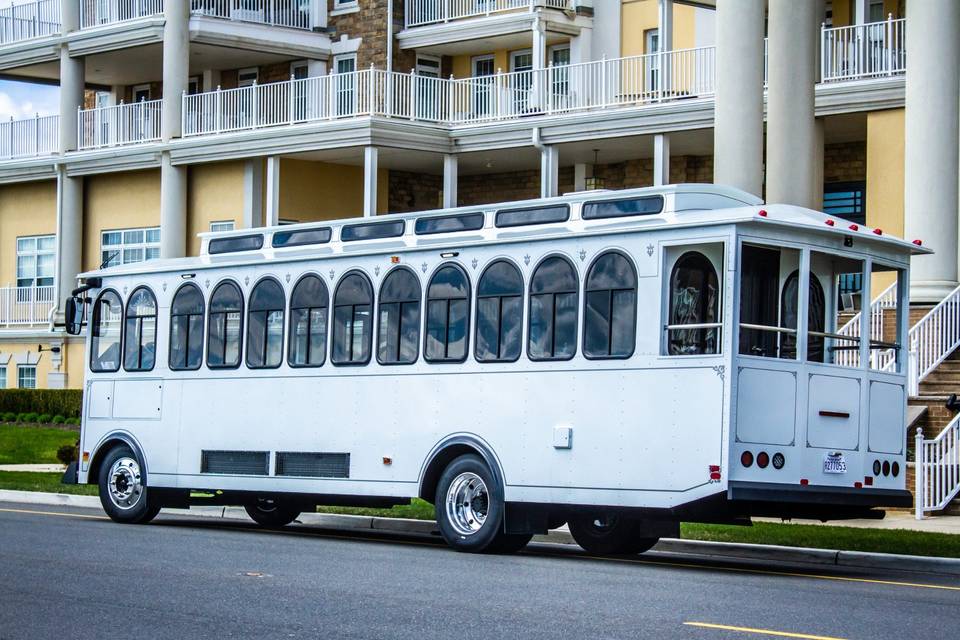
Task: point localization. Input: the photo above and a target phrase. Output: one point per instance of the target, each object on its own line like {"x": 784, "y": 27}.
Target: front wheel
{"x": 609, "y": 534}
{"x": 268, "y": 512}
{"x": 470, "y": 511}
{"x": 123, "y": 488}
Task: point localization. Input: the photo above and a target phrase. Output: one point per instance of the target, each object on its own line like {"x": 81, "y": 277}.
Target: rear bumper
{"x": 760, "y": 498}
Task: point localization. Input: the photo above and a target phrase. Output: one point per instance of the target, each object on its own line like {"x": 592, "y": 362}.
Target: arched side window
{"x": 265, "y": 325}
{"x": 398, "y": 329}
{"x": 610, "y": 308}
{"x": 816, "y": 317}
{"x": 225, "y": 327}
{"x": 186, "y": 329}
{"x": 308, "y": 323}
{"x": 105, "y": 335}
{"x": 499, "y": 313}
{"x": 448, "y": 315}
{"x": 140, "y": 331}
{"x": 554, "y": 290}
{"x": 352, "y": 325}
{"x": 694, "y": 300}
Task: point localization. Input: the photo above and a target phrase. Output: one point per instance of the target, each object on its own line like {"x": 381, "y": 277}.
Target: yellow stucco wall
{"x": 843, "y": 11}
{"x": 28, "y": 209}
{"x": 214, "y": 194}
{"x": 26, "y": 352}
{"x": 118, "y": 201}
{"x": 885, "y": 190}
{"x": 638, "y": 16}
{"x": 312, "y": 191}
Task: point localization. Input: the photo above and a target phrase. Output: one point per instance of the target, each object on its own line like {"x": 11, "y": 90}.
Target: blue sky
{"x": 24, "y": 99}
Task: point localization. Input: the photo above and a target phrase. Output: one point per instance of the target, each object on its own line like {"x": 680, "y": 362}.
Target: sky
{"x": 23, "y": 99}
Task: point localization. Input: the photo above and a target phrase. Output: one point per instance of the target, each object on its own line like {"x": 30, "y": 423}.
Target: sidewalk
{"x": 34, "y": 468}
{"x": 894, "y": 520}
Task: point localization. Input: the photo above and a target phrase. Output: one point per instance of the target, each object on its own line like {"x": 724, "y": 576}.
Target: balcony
{"x": 22, "y": 306}
{"x": 863, "y": 51}
{"x": 27, "y": 20}
{"x": 94, "y": 13}
{"x": 606, "y": 84}
{"x": 295, "y": 14}
{"x": 119, "y": 125}
{"x": 423, "y": 12}
{"x": 29, "y": 137}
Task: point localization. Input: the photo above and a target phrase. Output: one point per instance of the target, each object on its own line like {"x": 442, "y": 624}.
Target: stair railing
{"x": 886, "y": 300}
{"x": 938, "y": 469}
{"x": 933, "y": 338}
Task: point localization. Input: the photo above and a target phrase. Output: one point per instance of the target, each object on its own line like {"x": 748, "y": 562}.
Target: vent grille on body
{"x": 251, "y": 463}
{"x": 313, "y": 465}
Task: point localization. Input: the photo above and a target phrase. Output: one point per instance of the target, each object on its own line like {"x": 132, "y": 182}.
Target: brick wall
{"x": 414, "y": 191}
{"x": 370, "y": 24}
{"x": 845, "y": 162}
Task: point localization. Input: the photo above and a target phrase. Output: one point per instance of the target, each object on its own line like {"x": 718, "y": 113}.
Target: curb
{"x": 737, "y": 550}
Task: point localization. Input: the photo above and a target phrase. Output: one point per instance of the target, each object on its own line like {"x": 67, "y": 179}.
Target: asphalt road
{"x": 71, "y": 573}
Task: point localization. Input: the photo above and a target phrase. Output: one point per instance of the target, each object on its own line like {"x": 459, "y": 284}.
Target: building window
{"x": 651, "y": 41}
{"x": 247, "y": 77}
{"x": 846, "y": 200}
{"x": 128, "y": 246}
{"x": 226, "y": 225}
{"x": 553, "y": 311}
{"x": 27, "y": 376}
{"x": 36, "y": 261}
{"x": 3, "y": 377}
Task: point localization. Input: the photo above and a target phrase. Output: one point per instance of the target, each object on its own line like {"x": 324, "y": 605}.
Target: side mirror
{"x": 74, "y": 313}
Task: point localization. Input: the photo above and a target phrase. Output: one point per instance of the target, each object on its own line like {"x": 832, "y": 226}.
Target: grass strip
{"x": 48, "y": 482}
{"x": 33, "y": 445}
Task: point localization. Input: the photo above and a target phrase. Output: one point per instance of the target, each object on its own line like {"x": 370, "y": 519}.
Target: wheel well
{"x": 93, "y": 474}
{"x": 428, "y": 487}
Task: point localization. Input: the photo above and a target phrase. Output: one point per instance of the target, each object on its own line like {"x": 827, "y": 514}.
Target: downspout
{"x": 536, "y": 139}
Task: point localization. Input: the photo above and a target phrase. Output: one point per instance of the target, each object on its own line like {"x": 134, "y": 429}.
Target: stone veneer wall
{"x": 845, "y": 162}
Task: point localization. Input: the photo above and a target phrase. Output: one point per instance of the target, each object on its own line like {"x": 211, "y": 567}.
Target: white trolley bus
{"x": 620, "y": 361}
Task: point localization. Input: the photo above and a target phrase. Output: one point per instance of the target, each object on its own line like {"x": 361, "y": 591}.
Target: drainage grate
{"x": 313, "y": 465}
{"x": 251, "y": 463}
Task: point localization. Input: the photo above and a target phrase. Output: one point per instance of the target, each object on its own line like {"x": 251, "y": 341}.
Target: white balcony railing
{"x": 423, "y": 12}
{"x": 637, "y": 80}
{"x": 29, "y": 137}
{"x": 31, "y": 19}
{"x": 296, "y": 14}
{"x": 119, "y": 125}
{"x": 94, "y": 13}
{"x": 25, "y": 305}
{"x": 863, "y": 50}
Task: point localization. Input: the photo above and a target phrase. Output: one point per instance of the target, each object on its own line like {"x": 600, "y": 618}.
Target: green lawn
{"x": 790, "y": 535}
{"x": 49, "y": 482}
{"x": 32, "y": 445}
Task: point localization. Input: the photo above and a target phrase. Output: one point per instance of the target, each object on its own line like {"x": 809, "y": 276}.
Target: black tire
{"x": 480, "y": 528}
{"x": 123, "y": 488}
{"x": 272, "y": 513}
{"x": 609, "y": 534}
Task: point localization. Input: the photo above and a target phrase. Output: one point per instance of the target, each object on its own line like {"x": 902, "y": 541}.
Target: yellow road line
{"x": 55, "y": 513}
{"x": 362, "y": 534}
{"x": 763, "y": 632}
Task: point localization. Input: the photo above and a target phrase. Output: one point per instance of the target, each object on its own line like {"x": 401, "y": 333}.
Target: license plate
{"x": 834, "y": 463}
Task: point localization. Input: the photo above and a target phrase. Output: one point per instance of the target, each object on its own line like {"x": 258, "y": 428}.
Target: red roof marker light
{"x": 853, "y": 227}
{"x": 878, "y": 231}
{"x": 762, "y": 213}
{"x": 918, "y": 242}
{"x": 830, "y": 223}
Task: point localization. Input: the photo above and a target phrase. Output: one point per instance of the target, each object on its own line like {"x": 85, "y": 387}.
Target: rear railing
{"x": 117, "y": 125}
{"x": 938, "y": 469}
{"x": 29, "y": 137}
{"x": 25, "y": 20}
{"x": 863, "y": 50}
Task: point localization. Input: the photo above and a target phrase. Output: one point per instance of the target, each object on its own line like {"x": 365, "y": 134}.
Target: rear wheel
{"x": 609, "y": 534}
{"x": 272, "y": 513}
{"x": 123, "y": 488}
{"x": 470, "y": 511}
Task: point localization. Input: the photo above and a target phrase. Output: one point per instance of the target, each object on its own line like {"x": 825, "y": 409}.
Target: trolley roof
{"x": 681, "y": 205}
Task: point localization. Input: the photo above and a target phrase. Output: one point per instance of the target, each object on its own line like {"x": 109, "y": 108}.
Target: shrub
{"x": 74, "y": 421}
{"x": 21, "y": 417}
{"x": 30, "y": 417}
{"x": 9, "y": 416}
{"x": 44, "y": 418}
{"x": 64, "y": 402}
{"x": 67, "y": 453}
{"x": 58, "y": 419}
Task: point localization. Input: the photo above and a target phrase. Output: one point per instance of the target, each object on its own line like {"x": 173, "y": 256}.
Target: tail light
{"x": 886, "y": 468}
{"x": 763, "y": 459}
{"x": 895, "y": 469}
{"x": 746, "y": 458}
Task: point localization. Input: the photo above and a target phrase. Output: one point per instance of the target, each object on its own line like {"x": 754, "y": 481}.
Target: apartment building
{"x": 185, "y": 116}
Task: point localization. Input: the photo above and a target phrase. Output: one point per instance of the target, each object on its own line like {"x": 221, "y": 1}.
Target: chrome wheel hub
{"x": 467, "y": 503}
{"x": 125, "y": 485}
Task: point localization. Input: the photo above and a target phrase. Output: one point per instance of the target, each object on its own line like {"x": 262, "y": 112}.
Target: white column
{"x": 539, "y": 55}
{"x": 318, "y": 14}
{"x": 210, "y": 80}
{"x": 580, "y": 176}
{"x": 860, "y": 11}
{"x": 549, "y": 171}
{"x": 173, "y": 209}
{"x": 369, "y": 181}
{"x": 931, "y": 152}
{"x": 71, "y": 97}
{"x": 581, "y": 46}
{"x": 661, "y": 159}
{"x": 791, "y": 129}
{"x": 69, "y": 233}
{"x": 450, "y": 180}
{"x": 176, "y": 66}
{"x": 273, "y": 192}
{"x": 665, "y": 44}
{"x": 738, "y": 126}
{"x": 252, "y": 194}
